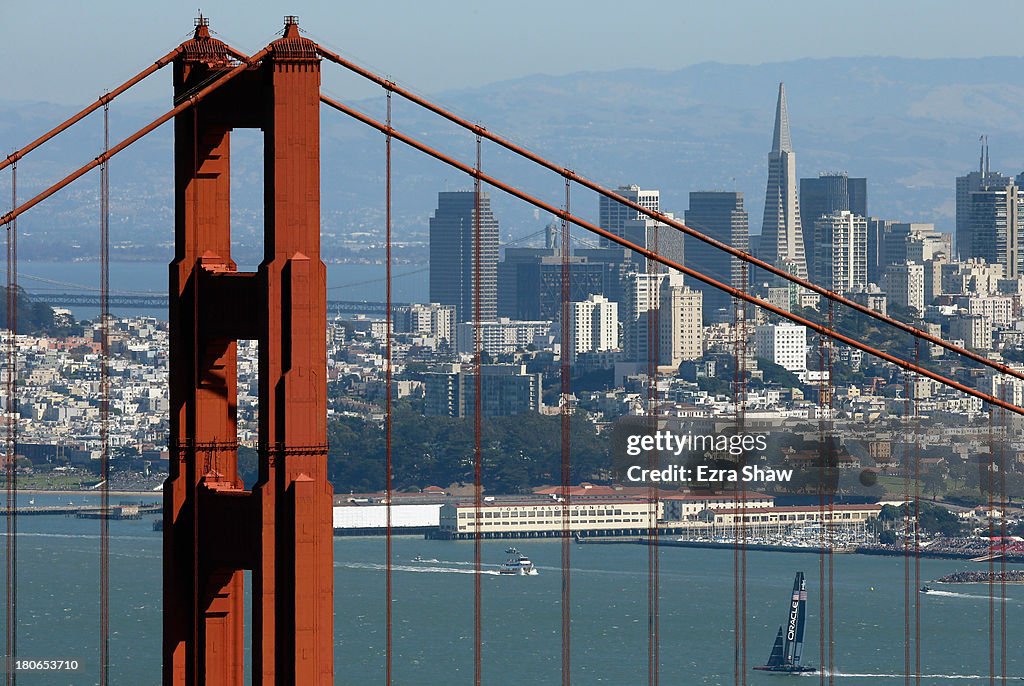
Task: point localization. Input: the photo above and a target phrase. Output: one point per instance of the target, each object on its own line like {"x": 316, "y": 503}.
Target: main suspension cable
{"x": 103, "y": 101}
{"x": 141, "y": 133}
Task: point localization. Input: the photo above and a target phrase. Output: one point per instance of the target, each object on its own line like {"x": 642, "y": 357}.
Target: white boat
{"x": 520, "y": 565}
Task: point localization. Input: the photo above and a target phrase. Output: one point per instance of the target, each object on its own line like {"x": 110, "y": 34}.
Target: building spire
{"x": 781, "y": 142}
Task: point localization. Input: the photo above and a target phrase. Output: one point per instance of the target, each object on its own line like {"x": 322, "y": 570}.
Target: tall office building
{"x": 878, "y": 230}
{"x": 530, "y": 282}
{"x": 830, "y": 192}
{"x": 841, "y": 251}
{"x": 721, "y": 216}
{"x": 782, "y": 242}
{"x": 453, "y": 257}
{"x": 613, "y": 215}
{"x": 653, "y": 235}
{"x": 996, "y": 221}
{"x": 965, "y": 186}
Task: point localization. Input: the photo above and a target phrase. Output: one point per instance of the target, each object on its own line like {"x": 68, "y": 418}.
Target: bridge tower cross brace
{"x": 215, "y": 529}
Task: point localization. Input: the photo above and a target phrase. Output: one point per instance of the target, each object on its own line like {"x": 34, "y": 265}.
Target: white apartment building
{"x": 841, "y": 251}
{"x": 594, "y": 326}
{"x": 784, "y": 344}
{"x": 904, "y": 284}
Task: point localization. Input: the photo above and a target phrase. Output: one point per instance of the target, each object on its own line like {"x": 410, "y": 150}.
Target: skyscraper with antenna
{"x": 782, "y": 241}
{"x": 967, "y": 184}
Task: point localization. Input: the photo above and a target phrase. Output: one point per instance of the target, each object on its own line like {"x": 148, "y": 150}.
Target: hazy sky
{"x": 70, "y": 51}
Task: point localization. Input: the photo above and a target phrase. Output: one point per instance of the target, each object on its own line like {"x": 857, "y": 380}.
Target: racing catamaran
{"x": 789, "y": 642}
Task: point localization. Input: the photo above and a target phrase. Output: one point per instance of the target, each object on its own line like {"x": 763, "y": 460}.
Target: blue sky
{"x": 69, "y": 52}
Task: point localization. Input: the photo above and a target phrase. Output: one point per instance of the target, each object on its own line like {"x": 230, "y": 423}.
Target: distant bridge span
{"x": 160, "y": 302}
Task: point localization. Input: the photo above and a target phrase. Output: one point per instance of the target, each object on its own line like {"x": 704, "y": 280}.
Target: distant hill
{"x": 910, "y": 126}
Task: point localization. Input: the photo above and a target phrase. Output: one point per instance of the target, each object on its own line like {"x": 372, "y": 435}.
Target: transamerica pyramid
{"x": 782, "y": 240}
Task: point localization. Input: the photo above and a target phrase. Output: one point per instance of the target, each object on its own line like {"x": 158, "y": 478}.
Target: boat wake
{"x": 852, "y": 675}
{"x": 414, "y": 568}
{"x": 954, "y": 594}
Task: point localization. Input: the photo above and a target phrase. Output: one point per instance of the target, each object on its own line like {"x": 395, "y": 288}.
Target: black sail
{"x": 777, "y": 657}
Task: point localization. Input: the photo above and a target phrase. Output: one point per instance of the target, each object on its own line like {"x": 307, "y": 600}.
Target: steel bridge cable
{"x": 141, "y": 133}
{"x": 100, "y": 102}
{"x": 601, "y": 190}
{"x": 700, "y": 276}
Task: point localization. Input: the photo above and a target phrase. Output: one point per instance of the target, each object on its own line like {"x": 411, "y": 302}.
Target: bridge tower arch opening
{"x": 214, "y": 528}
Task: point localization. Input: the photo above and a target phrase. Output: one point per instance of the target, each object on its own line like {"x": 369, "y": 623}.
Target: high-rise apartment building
{"x": 640, "y": 309}
{"x": 904, "y": 284}
{"x": 432, "y": 321}
{"x": 613, "y": 215}
{"x": 680, "y": 323}
{"x": 663, "y": 318}
{"x": 841, "y": 251}
{"x": 721, "y": 216}
{"x": 506, "y": 390}
{"x": 594, "y": 326}
{"x": 453, "y": 261}
{"x": 784, "y": 344}
{"x": 782, "y": 243}
{"x": 830, "y": 192}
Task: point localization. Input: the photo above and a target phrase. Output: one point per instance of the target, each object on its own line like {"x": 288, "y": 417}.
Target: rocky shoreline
{"x": 1010, "y": 576}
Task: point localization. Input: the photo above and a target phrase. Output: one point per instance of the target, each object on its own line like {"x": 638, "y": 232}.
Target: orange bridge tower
{"x": 214, "y": 529}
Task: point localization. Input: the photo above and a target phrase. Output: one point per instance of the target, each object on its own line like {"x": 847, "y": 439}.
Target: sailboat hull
{"x": 784, "y": 669}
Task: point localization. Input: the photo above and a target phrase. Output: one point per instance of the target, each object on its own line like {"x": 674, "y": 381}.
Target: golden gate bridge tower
{"x": 215, "y": 529}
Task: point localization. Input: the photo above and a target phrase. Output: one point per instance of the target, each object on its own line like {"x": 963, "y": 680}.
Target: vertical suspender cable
{"x": 824, "y": 480}
{"x": 10, "y": 350}
{"x": 477, "y": 426}
{"x": 739, "y": 558}
{"x": 986, "y": 481}
{"x": 741, "y": 404}
{"x": 567, "y": 351}
{"x": 105, "y": 403}
{"x": 1004, "y": 497}
{"x": 917, "y": 523}
{"x": 387, "y": 390}
{"x": 908, "y": 589}
{"x": 834, "y": 479}
{"x": 653, "y": 357}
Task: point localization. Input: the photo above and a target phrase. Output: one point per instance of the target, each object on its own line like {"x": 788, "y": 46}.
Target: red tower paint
{"x": 214, "y": 528}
